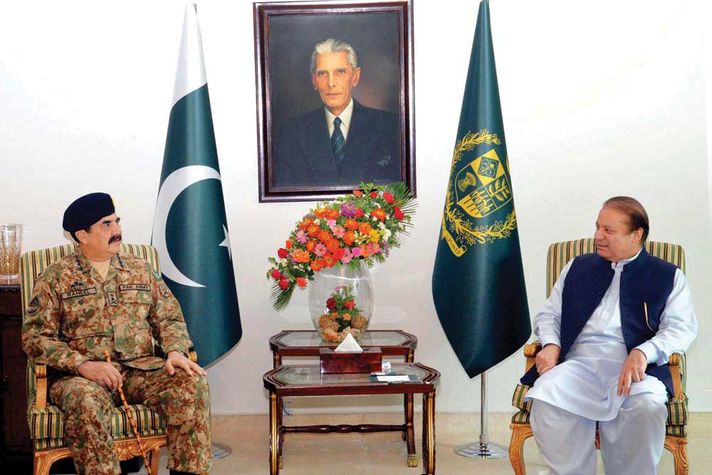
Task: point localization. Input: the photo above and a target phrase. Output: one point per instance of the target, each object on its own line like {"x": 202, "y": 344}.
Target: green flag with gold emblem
{"x": 478, "y": 280}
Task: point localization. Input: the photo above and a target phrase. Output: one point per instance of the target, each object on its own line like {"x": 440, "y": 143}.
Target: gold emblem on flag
{"x": 482, "y": 186}
{"x": 478, "y": 190}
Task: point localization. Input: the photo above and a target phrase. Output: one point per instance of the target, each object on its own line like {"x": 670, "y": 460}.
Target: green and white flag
{"x": 478, "y": 281}
{"x": 190, "y": 228}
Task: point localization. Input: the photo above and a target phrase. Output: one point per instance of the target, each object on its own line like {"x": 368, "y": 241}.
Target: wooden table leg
{"x": 429, "y": 433}
{"x": 280, "y": 425}
{"x": 274, "y": 433}
{"x": 409, "y": 433}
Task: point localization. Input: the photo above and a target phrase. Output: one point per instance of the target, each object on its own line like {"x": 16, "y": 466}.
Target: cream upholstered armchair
{"x": 559, "y": 254}
{"x": 45, "y": 420}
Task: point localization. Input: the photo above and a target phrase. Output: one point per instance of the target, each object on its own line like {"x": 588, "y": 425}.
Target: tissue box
{"x": 344, "y": 362}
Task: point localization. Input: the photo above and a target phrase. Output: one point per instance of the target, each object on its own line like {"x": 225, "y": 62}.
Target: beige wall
{"x": 599, "y": 98}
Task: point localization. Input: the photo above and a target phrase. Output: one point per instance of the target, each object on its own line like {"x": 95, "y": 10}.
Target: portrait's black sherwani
{"x": 303, "y": 154}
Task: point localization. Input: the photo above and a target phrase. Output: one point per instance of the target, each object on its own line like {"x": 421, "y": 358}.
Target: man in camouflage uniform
{"x": 99, "y": 300}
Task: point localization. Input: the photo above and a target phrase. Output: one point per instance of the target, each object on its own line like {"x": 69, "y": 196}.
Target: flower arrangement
{"x": 364, "y": 225}
{"x": 342, "y": 316}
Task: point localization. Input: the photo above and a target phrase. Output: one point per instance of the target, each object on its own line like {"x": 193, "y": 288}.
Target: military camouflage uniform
{"x": 74, "y": 316}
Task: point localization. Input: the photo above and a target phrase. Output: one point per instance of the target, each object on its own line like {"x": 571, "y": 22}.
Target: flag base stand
{"x": 479, "y": 450}
{"x": 483, "y": 449}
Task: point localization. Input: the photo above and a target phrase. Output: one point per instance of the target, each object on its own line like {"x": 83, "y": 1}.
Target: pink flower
{"x": 331, "y": 223}
{"x": 374, "y": 248}
{"x": 301, "y": 237}
{"x": 355, "y": 252}
{"x": 338, "y": 231}
{"x": 320, "y": 250}
{"x": 346, "y": 258}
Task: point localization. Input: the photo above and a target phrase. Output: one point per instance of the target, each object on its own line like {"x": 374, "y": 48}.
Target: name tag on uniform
{"x": 78, "y": 293}
{"x": 130, "y": 287}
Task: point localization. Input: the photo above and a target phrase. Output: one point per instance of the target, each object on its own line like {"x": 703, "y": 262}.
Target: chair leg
{"x": 678, "y": 447}
{"x": 155, "y": 458}
{"x": 520, "y": 432}
{"x": 43, "y": 460}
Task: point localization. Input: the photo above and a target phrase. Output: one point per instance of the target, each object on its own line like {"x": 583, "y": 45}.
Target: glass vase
{"x": 341, "y": 301}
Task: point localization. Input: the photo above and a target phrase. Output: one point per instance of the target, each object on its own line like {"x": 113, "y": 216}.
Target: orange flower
{"x": 328, "y": 260}
{"x": 300, "y": 255}
{"x": 310, "y": 245}
{"x": 320, "y": 212}
{"x": 351, "y": 224}
{"x": 316, "y": 265}
{"x": 348, "y": 238}
{"x": 358, "y": 193}
{"x": 379, "y": 214}
{"x": 301, "y": 282}
{"x": 313, "y": 230}
{"x": 364, "y": 250}
{"x": 332, "y": 245}
{"x": 364, "y": 228}
{"x": 324, "y": 236}
{"x": 332, "y": 213}
{"x": 306, "y": 223}
{"x": 288, "y": 244}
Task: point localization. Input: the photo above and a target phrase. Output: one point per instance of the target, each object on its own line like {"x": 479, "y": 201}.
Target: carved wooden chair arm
{"x": 40, "y": 386}
{"x": 674, "y": 364}
{"x": 530, "y": 351}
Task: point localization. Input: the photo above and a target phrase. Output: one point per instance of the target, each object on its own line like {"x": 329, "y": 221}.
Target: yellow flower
{"x": 374, "y": 236}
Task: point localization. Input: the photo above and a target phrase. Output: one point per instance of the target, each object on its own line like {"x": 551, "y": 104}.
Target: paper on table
{"x": 349, "y": 345}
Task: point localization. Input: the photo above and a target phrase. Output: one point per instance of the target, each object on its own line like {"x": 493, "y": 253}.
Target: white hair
{"x": 330, "y": 45}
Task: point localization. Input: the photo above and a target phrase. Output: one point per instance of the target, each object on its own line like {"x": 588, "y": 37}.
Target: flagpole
{"x": 482, "y": 449}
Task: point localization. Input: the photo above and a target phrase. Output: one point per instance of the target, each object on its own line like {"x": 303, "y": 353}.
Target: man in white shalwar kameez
{"x": 612, "y": 319}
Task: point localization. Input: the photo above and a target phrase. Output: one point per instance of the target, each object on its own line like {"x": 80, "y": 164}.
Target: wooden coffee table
{"x": 307, "y": 380}
{"x": 307, "y": 343}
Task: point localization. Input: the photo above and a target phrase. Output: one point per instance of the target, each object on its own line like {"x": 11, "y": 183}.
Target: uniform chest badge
{"x": 112, "y": 299}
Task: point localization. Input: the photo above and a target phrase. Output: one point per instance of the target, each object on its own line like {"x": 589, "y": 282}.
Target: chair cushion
{"x": 47, "y": 425}
{"x": 676, "y": 425}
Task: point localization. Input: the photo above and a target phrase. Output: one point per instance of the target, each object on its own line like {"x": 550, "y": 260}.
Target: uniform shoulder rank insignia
{"x": 164, "y": 290}
{"x": 480, "y": 188}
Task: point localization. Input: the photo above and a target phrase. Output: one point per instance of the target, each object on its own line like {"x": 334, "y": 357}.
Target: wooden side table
{"x": 15, "y": 435}
{"x": 307, "y": 380}
{"x": 391, "y": 342}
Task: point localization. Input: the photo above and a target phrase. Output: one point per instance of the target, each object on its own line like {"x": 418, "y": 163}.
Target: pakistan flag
{"x": 478, "y": 281}
{"x": 190, "y": 227}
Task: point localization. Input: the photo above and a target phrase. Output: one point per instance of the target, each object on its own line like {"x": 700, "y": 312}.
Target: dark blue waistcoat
{"x": 646, "y": 279}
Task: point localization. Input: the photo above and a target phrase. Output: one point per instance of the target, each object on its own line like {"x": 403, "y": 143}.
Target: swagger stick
{"x": 131, "y": 420}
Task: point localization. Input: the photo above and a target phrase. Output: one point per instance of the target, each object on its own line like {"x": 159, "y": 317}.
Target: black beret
{"x": 87, "y": 210}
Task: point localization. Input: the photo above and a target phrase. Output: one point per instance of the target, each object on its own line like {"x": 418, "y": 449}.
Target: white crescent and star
{"x": 172, "y": 187}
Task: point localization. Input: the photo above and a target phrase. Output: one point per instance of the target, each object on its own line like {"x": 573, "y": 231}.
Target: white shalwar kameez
{"x": 569, "y": 398}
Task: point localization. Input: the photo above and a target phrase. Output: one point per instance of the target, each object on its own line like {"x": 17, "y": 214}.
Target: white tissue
{"x": 349, "y": 345}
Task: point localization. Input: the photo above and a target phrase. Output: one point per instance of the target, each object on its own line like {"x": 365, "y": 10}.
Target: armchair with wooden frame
{"x": 559, "y": 255}
{"x": 45, "y": 420}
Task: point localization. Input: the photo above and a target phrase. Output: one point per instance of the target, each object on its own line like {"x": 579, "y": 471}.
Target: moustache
{"x": 115, "y": 238}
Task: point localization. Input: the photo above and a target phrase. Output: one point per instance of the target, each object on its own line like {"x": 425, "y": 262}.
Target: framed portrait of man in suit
{"x": 334, "y": 97}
